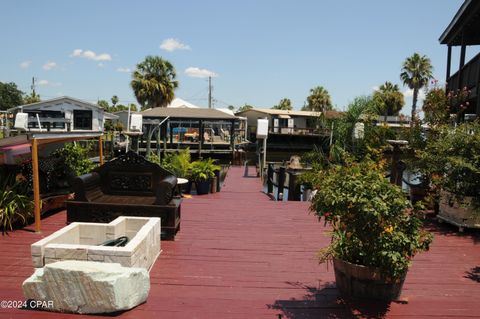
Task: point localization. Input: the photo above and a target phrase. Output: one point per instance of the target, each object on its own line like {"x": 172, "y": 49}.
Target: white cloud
{"x": 49, "y": 65}
{"x": 125, "y": 70}
{"x": 88, "y": 54}
{"x": 25, "y": 64}
{"x": 199, "y": 73}
{"x": 48, "y": 83}
{"x": 100, "y": 65}
{"x": 173, "y": 44}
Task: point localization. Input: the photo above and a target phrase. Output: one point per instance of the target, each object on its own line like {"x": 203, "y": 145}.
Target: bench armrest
{"x": 165, "y": 190}
{"x": 87, "y": 187}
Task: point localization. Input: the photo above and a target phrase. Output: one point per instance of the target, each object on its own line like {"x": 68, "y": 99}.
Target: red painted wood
{"x": 241, "y": 255}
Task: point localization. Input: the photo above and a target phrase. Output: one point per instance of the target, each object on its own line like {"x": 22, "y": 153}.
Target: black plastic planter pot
{"x": 203, "y": 187}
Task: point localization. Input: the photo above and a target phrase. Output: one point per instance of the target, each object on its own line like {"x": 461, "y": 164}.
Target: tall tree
{"x": 246, "y": 107}
{"x": 284, "y": 104}
{"x": 389, "y": 99}
{"x": 10, "y": 96}
{"x": 31, "y": 98}
{"x": 154, "y": 82}
{"x": 104, "y": 104}
{"x": 114, "y": 100}
{"x": 416, "y": 72}
{"x": 318, "y": 100}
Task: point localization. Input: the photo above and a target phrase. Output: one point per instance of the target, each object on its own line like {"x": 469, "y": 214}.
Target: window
{"x": 82, "y": 120}
{"x": 48, "y": 119}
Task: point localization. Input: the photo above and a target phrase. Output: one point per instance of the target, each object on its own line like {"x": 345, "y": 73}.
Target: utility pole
{"x": 33, "y": 86}
{"x": 209, "y": 92}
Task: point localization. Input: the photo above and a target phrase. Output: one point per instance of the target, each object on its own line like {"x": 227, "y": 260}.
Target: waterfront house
{"x": 62, "y": 114}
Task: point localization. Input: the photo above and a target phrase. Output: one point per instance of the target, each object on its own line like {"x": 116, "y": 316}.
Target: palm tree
{"x": 154, "y": 82}
{"x": 416, "y": 72}
{"x": 284, "y": 104}
{"x": 318, "y": 100}
{"x": 389, "y": 99}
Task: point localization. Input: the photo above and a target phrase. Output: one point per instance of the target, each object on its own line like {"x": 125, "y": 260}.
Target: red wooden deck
{"x": 241, "y": 255}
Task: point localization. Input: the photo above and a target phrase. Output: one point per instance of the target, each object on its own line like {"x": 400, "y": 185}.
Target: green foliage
{"x": 114, "y": 100}
{"x": 31, "y": 98}
{"x": 318, "y": 100}
{"x": 436, "y": 107}
{"x": 10, "y": 96}
{"x": 361, "y": 110}
{"x": 246, "y": 107}
{"x": 203, "y": 170}
{"x": 179, "y": 163}
{"x": 373, "y": 222}
{"x": 103, "y": 104}
{"x": 284, "y": 104}
{"x": 154, "y": 82}
{"x": 389, "y": 99}
{"x": 416, "y": 72}
{"x": 452, "y": 160}
{"x": 75, "y": 159}
{"x": 15, "y": 205}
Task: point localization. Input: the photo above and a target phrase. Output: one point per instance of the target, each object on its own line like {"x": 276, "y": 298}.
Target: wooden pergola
{"x": 39, "y": 139}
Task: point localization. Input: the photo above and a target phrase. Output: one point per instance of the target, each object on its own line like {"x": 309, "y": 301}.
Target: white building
{"x": 62, "y": 114}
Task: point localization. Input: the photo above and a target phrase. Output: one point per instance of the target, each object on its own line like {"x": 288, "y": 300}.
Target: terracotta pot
{"x": 365, "y": 282}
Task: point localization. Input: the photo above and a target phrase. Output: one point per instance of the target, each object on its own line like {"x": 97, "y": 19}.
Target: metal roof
{"x": 465, "y": 25}
{"x": 328, "y": 114}
{"x": 55, "y": 101}
{"x": 195, "y": 113}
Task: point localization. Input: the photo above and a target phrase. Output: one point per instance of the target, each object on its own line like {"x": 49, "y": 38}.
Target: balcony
{"x": 470, "y": 77}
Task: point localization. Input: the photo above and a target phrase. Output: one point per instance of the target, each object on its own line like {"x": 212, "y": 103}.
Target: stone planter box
{"x": 461, "y": 215}
{"x": 79, "y": 241}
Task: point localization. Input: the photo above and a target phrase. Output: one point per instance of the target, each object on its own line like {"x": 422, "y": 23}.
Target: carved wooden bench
{"x": 127, "y": 186}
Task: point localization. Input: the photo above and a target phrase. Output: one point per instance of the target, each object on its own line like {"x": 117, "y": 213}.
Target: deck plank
{"x": 241, "y": 255}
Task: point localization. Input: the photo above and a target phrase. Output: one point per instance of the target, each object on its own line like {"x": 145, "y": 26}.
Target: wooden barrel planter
{"x": 365, "y": 282}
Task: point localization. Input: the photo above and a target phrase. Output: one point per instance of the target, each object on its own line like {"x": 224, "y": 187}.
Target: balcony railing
{"x": 469, "y": 78}
{"x": 299, "y": 130}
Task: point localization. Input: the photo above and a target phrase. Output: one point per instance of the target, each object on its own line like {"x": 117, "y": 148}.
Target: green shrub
{"x": 203, "y": 170}
{"x": 179, "y": 164}
{"x": 14, "y": 207}
{"x": 373, "y": 222}
{"x": 75, "y": 159}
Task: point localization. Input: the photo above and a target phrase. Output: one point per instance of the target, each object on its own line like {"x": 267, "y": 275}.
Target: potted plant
{"x": 452, "y": 160}
{"x": 375, "y": 230}
{"x": 201, "y": 173}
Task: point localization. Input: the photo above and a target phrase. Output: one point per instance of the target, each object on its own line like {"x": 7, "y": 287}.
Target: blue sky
{"x": 258, "y": 51}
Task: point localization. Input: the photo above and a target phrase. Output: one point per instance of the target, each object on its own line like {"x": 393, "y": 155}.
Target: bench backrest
{"x": 131, "y": 174}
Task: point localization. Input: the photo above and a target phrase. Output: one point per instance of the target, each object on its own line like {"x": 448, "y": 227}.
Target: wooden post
{"x": 200, "y": 140}
{"x": 293, "y": 187}
{"x": 270, "y": 178}
{"x": 217, "y": 175}
{"x": 281, "y": 183}
{"x": 232, "y": 139}
{"x": 36, "y": 185}
{"x": 449, "y": 62}
{"x": 100, "y": 149}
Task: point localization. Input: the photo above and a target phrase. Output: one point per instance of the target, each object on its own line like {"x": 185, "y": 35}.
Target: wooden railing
{"x": 469, "y": 77}
{"x": 299, "y": 130}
